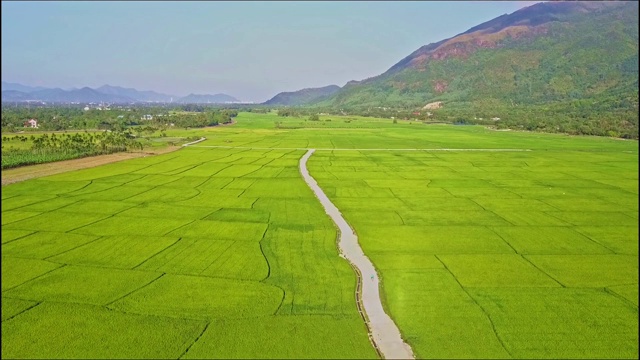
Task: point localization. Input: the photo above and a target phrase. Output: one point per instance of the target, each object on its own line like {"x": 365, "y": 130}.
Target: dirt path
{"x": 22, "y": 173}
{"x": 383, "y": 331}
{"x": 195, "y": 142}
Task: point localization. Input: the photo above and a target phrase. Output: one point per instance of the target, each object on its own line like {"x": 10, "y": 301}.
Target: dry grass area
{"x": 11, "y": 176}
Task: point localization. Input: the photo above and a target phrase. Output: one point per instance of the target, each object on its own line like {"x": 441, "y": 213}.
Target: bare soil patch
{"x": 10, "y": 176}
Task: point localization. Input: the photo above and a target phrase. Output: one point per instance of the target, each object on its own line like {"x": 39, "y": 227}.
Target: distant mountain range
{"x": 303, "y": 96}
{"x": 19, "y": 87}
{"x": 110, "y": 94}
{"x": 135, "y": 94}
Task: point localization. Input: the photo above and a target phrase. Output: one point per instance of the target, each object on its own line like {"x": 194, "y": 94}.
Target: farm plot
{"x": 216, "y": 258}
{"x": 287, "y": 336}
{"x": 178, "y": 247}
{"x": 69, "y": 284}
{"x": 41, "y": 245}
{"x": 498, "y": 254}
{"x": 67, "y": 330}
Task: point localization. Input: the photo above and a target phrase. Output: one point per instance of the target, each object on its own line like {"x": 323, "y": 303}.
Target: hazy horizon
{"x": 248, "y": 50}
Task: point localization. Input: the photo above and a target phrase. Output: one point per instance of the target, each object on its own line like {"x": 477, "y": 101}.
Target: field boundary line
{"x": 71, "y": 249}
{"x": 262, "y": 251}
{"x": 620, "y": 297}
{"x": 542, "y": 270}
{"x": 156, "y": 254}
{"x": 20, "y": 237}
{"x": 206, "y": 326}
{"x": 493, "y": 326}
{"x": 132, "y": 291}
{"x": 33, "y": 278}
{"x": 23, "y": 311}
{"x": 384, "y": 333}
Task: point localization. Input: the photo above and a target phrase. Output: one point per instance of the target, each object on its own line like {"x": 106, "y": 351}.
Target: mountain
{"x": 84, "y": 95}
{"x": 6, "y": 86}
{"x": 547, "y": 53}
{"x": 207, "y": 99}
{"x": 15, "y": 95}
{"x": 303, "y": 96}
{"x": 109, "y": 94}
{"x": 149, "y": 96}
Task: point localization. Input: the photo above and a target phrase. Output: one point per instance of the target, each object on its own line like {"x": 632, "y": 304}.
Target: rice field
{"x": 226, "y": 246}
{"x": 498, "y": 255}
{"x": 220, "y": 250}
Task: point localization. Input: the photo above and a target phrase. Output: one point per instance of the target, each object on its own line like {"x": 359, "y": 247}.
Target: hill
{"x": 7, "y": 86}
{"x": 572, "y": 54}
{"x": 303, "y": 96}
{"x": 148, "y": 96}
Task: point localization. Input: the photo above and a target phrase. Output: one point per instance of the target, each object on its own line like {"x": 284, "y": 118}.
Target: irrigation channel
{"x": 383, "y": 331}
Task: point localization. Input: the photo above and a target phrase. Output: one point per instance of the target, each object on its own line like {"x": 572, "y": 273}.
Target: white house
{"x": 146, "y": 117}
{"x": 32, "y": 123}
{"x": 433, "y": 105}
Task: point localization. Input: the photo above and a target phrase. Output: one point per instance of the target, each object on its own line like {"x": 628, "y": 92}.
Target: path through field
{"x": 384, "y": 331}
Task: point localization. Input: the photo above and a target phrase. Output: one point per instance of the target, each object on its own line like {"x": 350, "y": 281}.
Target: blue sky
{"x": 250, "y": 50}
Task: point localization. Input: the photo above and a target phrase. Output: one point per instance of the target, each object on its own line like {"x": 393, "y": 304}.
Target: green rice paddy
{"x": 221, "y": 252}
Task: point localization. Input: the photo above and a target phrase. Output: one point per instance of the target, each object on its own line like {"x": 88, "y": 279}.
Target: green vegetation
{"x": 58, "y": 118}
{"x": 218, "y": 252}
{"x": 303, "y": 96}
{"x": 112, "y": 131}
{"x": 45, "y": 148}
{"x": 66, "y": 330}
{"x": 512, "y": 254}
{"x": 577, "y": 74}
{"x": 194, "y": 243}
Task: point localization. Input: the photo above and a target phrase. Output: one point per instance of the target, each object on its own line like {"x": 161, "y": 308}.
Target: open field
{"x": 19, "y": 150}
{"x": 212, "y": 252}
{"x": 498, "y": 254}
{"x": 10, "y": 176}
{"x": 194, "y": 244}
{"x": 259, "y": 130}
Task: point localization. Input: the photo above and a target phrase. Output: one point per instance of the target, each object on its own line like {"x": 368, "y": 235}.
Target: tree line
{"x": 58, "y": 118}
{"x": 52, "y": 147}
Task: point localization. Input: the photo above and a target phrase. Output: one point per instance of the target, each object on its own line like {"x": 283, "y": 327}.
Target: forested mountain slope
{"x": 303, "y": 96}
{"x": 557, "y": 54}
